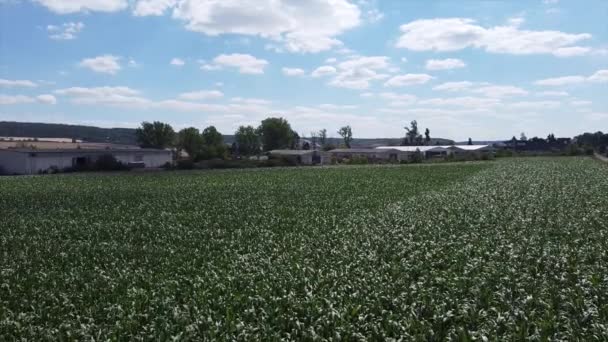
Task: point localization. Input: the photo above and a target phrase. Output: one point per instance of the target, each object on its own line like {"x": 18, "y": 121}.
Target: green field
{"x": 503, "y": 250}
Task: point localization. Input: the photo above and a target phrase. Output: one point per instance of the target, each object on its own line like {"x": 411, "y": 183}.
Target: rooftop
{"x": 292, "y": 152}
{"x": 83, "y": 150}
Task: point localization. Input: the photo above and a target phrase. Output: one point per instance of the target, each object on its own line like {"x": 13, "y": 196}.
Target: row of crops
{"x": 511, "y": 250}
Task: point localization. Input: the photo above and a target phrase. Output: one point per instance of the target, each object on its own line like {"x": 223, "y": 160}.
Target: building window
{"x": 139, "y": 157}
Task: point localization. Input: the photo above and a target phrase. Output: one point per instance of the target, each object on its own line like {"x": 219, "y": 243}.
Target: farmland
{"x": 507, "y": 250}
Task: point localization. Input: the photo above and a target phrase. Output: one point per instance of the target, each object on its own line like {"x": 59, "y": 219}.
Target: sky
{"x": 481, "y": 69}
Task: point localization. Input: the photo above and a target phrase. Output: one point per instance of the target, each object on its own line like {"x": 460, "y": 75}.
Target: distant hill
{"x": 127, "y": 135}
{"x": 84, "y": 133}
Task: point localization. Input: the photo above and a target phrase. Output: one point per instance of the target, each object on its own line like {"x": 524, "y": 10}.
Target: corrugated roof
{"x": 413, "y": 148}
{"x": 84, "y": 150}
{"x": 430, "y": 148}
{"x": 357, "y": 150}
{"x": 292, "y": 152}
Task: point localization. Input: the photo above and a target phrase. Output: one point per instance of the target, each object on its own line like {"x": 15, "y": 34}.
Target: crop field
{"x": 505, "y": 250}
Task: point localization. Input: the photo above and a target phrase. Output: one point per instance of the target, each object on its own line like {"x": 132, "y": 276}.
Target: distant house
{"x": 32, "y": 160}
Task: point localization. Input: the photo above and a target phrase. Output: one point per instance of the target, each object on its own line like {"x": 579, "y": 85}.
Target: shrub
{"x": 185, "y": 164}
{"x": 358, "y": 161}
{"x": 108, "y": 162}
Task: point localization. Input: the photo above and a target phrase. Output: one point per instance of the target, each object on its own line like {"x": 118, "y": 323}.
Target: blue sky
{"x": 480, "y": 69}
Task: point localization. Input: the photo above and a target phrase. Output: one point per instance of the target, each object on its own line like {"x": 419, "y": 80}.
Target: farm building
{"x": 32, "y": 161}
{"x": 305, "y": 157}
{"x": 406, "y": 152}
{"x": 441, "y": 151}
{"x": 469, "y": 149}
{"x": 371, "y": 154}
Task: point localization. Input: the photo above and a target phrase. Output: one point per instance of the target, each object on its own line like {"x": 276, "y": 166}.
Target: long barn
{"x": 27, "y": 161}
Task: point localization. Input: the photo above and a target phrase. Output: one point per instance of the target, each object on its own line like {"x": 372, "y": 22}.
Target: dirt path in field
{"x": 600, "y": 157}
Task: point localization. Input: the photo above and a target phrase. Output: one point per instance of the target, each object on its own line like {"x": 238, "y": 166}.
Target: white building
{"x": 442, "y": 150}
{"x": 32, "y": 161}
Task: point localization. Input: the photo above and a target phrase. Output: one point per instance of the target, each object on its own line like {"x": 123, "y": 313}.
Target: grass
{"x": 511, "y": 249}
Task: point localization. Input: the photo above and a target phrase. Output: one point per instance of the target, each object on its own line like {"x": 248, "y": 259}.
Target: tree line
{"x": 273, "y": 133}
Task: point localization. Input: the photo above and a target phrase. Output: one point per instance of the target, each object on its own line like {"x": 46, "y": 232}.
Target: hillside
{"x": 127, "y": 135}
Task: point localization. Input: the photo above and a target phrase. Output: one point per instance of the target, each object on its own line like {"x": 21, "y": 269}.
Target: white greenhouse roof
{"x": 413, "y": 148}
{"x": 435, "y": 148}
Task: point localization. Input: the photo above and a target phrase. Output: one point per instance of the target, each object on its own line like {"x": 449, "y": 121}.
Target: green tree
{"x": 275, "y": 133}
{"x": 412, "y": 135}
{"x": 190, "y": 140}
{"x": 470, "y": 142}
{"x": 347, "y": 135}
{"x": 323, "y": 137}
{"x": 213, "y": 144}
{"x": 155, "y": 135}
{"x": 427, "y": 136}
{"x": 247, "y": 140}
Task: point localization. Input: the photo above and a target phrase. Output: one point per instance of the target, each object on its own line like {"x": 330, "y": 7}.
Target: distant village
{"x": 272, "y": 143}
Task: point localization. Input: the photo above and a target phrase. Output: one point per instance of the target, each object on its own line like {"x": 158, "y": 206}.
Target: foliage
{"x": 595, "y": 140}
{"x": 323, "y": 137}
{"x": 247, "y": 141}
{"x": 347, "y": 135}
{"x": 190, "y": 140}
{"x": 275, "y": 133}
{"x": 357, "y": 161}
{"x": 511, "y": 250}
{"x": 412, "y": 135}
{"x": 155, "y": 135}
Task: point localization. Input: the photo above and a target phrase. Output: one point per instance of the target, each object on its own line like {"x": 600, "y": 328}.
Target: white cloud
{"x": 324, "y": 70}
{"x": 107, "y": 64}
{"x": 22, "y": 99}
{"x": 177, "y": 62}
{"x": 293, "y": 71}
{"x": 17, "y": 83}
{"x": 299, "y": 26}
{"x": 407, "y": 80}
{"x": 454, "y": 86}
{"x": 535, "y": 104}
{"x": 444, "y": 64}
{"x": 398, "y": 100}
{"x": 73, "y": 6}
{"x": 15, "y": 99}
{"x": 500, "y": 91}
{"x": 133, "y": 64}
{"x": 246, "y": 64}
{"x": 599, "y": 76}
{"x": 552, "y": 93}
{"x": 550, "y": 2}
{"x": 46, "y": 99}
{"x": 331, "y": 60}
{"x": 560, "y": 81}
{"x": 465, "y": 101}
{"x": 451, "y": 34}
{"x": 358, "y": 71}
{"x": 250, "y": 101}
{"x": 152, "y": 7}
{"x": 329, "y": 106}
{"x": 598, "y": 116}
{"x": 572, "y": 51}
{"x": 201, "y": 95}
{"x": 113, "y": 96}
{"x": 66, "y": 31}
{"x": 580, "y": 103}
{"x": 373, "y": 62}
